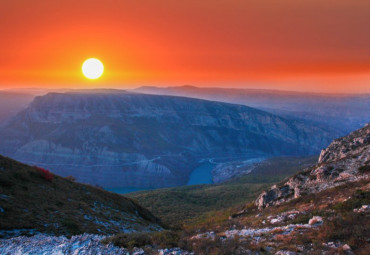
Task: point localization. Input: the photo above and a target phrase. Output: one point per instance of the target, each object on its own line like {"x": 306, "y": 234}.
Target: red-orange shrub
{"x": 45, "y": 174}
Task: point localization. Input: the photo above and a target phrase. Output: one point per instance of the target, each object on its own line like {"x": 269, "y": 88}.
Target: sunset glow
{"x": 124, "y": 122}
{"x": 308, "y": 45}
{"x": 92, "y": 68}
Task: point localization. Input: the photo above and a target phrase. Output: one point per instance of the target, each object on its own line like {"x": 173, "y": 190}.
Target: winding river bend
{"x": 202, "y": 174}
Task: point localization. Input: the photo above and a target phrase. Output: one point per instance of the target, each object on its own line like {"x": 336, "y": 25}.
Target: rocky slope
{"x": 332, "y": 221}
{"x": 119, "y": 139}
{"x": 80, "y": 244}
{"x": 346, "y": 159}
{"x": 32, "y": 200}
{"x": 323, "y": 210}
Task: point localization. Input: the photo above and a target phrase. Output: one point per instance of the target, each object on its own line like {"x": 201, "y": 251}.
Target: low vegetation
{"x": 45, "y": 174}
{"x": 342, "y": 225}
{"x": 34, "y": 199}
{"x": 174, "y": 206}
{"x": 365, "y": 168}
{"x": 50, "y": 205}
{"x": 163, "y": 239}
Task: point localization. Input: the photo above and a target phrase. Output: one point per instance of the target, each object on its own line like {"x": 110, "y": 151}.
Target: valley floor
{"x": 174, "y": 206}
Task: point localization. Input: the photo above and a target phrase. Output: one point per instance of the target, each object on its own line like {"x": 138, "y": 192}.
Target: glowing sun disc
{"x": 92, "y": 68}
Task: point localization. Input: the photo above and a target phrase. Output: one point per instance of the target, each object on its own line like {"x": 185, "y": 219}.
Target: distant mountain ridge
{"x": 11, "y": 103}
{"x": 321, "y": 109}
{"x": 131, "y": 139}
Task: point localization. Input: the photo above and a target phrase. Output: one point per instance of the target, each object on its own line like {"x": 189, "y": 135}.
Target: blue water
{"x": 202, "y": 174}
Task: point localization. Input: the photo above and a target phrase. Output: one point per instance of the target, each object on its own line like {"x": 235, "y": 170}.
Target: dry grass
{"x": 340, "y": 222}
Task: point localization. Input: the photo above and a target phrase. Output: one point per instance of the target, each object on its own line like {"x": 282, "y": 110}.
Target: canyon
{"x": 124, "y": 139}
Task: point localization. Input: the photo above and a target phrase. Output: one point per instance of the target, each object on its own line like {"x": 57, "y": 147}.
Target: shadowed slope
{"x": 31, "y": 201}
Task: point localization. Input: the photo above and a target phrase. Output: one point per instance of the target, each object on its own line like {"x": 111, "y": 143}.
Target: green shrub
{"x": 301, "y": 219}
{"x": 71, "y": 226}
{"x": 359, "y": 198}
{"x": 129, "y": 240}
{"x": 71, "y": 178}
{"x": 348, "y": 229}
{"x": 5, "y": 182}
{"x": 166, "y": 239}
{"x": 163, "y": 239}
{"x": 20, "y": 176}
{"x": 364, "y": 169}
{"x": 219, "y": 247}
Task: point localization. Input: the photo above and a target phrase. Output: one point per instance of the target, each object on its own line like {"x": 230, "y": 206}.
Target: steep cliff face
{"x": 346, "y": 159}
{"x": 128, "y": 139}
{"x": 327, "y": 110}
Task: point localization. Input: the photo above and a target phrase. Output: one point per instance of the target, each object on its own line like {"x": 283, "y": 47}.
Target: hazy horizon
{"x": 21, "y": 89}
{"x": 309, "y": 45}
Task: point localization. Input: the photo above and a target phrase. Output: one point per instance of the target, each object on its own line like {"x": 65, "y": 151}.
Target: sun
{"x": 92, "y": 68}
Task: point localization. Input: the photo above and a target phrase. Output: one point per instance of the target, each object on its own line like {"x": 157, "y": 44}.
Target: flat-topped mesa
{"x": 345, "y": 160}
{"x": 139, "y": 140}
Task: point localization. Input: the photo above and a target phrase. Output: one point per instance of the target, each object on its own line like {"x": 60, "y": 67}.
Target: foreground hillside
{"x": 346, "y": 159}
{"x": 120, "y": 139}
{"x": 327, "y": 213}
{"x": 333, "y": 221}
{"x": 33, "y": 200}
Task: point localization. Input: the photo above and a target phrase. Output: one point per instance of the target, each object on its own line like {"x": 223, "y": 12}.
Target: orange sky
{"x": 309, "y": 45}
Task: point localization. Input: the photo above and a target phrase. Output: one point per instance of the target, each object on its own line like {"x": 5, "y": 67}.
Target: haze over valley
{"x": 119, "y": 139}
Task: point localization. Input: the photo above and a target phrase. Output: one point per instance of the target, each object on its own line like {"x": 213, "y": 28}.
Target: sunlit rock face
{"x": 129, "y": 140}
{"x": 346, "y": 159}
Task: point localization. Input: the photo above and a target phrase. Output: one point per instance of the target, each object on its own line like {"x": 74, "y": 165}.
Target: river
{"x": 202, "y": 174}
